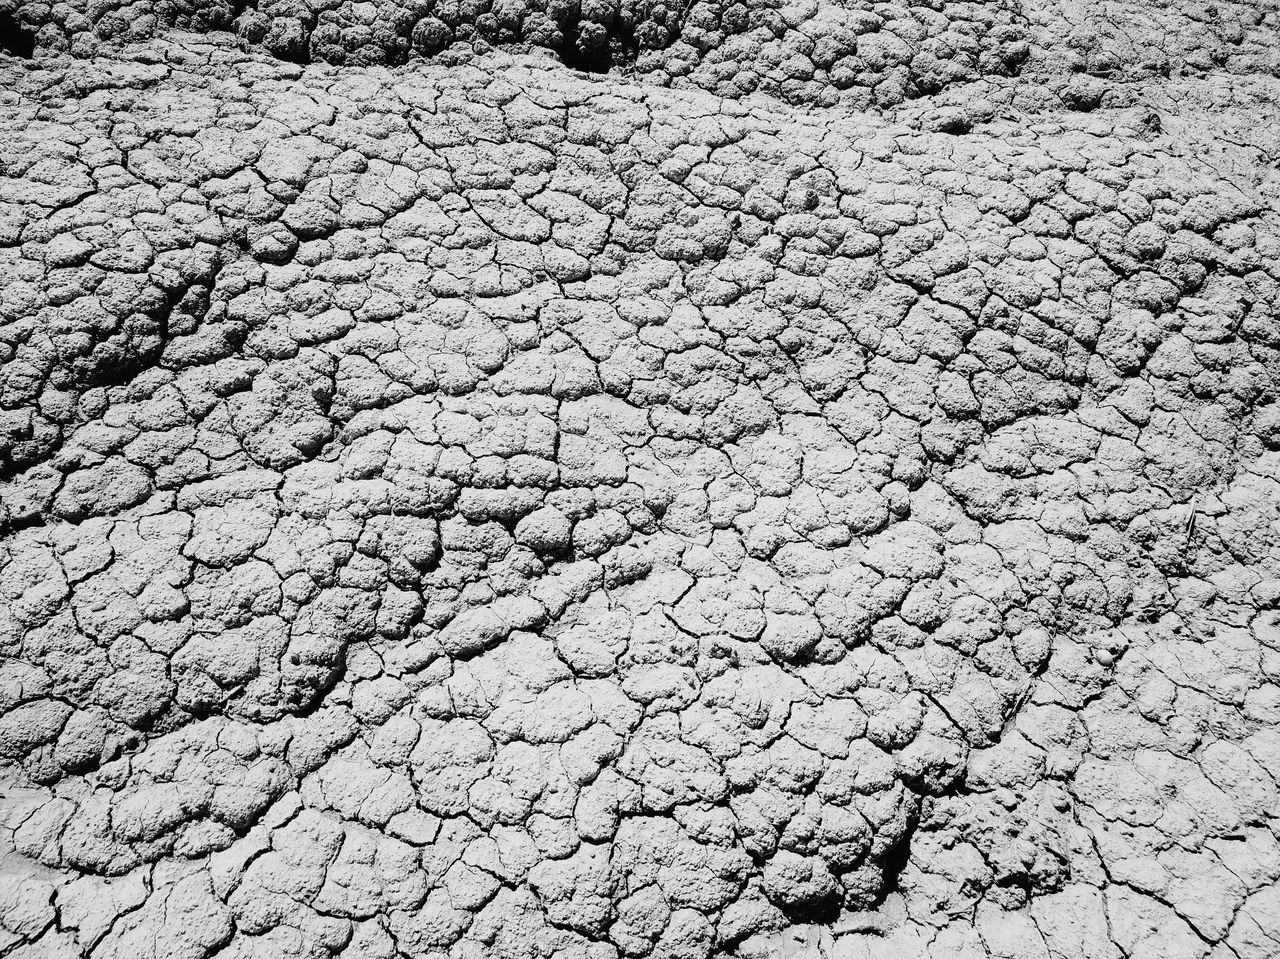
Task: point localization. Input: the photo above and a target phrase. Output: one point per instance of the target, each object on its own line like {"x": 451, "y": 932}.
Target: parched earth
{"x": 607, "y": 479}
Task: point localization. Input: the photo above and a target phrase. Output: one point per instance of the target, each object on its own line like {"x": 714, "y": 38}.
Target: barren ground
{"x": 602, "y": 480}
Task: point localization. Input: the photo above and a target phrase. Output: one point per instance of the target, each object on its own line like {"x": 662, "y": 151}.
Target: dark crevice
{"x": 596, "y": 60}
{"x": 819, "y": 911}
{"x": 895, "y": 860}
{"x": 15, "y": 39}
{"x": 16, "y": 524}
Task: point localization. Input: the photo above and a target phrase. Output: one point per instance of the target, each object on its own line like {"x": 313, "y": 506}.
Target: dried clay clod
{"x": 612, "y": 479}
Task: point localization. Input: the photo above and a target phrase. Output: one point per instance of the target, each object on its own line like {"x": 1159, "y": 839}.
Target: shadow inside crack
{"x": 15, "y": 39}
{"x": 819, "y": 911}
{"x": 591, "y": 60}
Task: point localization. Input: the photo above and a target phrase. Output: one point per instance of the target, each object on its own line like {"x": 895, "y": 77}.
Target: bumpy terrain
{"x": 608, "y": 479}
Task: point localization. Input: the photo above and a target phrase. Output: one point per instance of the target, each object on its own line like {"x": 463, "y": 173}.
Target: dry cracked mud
{"x": 608, "y": 479}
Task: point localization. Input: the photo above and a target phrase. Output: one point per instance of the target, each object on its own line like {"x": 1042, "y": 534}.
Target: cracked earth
{"x": 608, "y": 479}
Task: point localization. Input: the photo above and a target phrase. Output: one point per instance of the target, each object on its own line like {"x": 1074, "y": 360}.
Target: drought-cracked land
{"x": 639, "y": 479}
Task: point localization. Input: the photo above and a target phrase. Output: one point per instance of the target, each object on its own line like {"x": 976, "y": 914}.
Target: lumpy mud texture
{"x": 605, "y": 480}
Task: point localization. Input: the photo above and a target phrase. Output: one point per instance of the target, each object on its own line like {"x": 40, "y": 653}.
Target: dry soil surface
{"x": 597, "y": 479}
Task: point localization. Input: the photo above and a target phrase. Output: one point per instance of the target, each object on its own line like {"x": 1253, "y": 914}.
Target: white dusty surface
{"x": 810, "y": 490}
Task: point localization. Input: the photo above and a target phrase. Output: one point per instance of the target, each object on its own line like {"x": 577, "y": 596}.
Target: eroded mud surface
{"x": 638, "y": 480}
